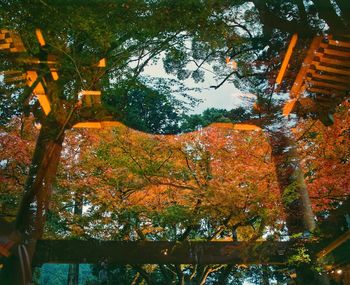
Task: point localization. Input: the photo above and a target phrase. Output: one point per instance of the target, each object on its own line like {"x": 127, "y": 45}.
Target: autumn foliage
{"x": 130, "y": 185}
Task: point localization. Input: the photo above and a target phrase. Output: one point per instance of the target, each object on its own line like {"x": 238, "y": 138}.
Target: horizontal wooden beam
{"x": 333, "y": 245}
{"x": 330, "y": 69}
{"x": 339, "y": 43}
{"x": 337, "y": 52}
{"x": 342, "y": 79}
{"x": 315, "y": 83}
{"x": 326, "y": 91}
{"x": 160, "y": 252}
{"x": 332, "y": 61}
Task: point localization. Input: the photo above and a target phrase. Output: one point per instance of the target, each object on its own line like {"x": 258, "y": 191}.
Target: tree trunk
{"x": 290, "y": 177}
{"x": 73, "y": 274}
{"x": 295, "y": 197}
{"x": 30, "y": 218}
{"x": 265, "y": 275}
{"x": 73, "y": 270}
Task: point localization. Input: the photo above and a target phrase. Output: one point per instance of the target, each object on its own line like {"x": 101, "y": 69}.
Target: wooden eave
{"x": 324, "y": 74}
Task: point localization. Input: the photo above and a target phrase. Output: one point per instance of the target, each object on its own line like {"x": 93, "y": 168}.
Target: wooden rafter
{"x": 286, "y": 59}
{"x": 10, "y": 41}
{"x": 325, "y": 71}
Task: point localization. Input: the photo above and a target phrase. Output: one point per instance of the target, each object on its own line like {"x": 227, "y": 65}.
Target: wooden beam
{"x": 44, "y": 103}
{"x": 88, "y": 125}
{"x": 339, "y": 43}
{"x": 326, "y": 92}
{"x": 90, "y": 93}
{"x": 332, "y": 61}
{"x": 17, "y": 42}
{"x": 286, "y": 59}
{"x": 54, "y": 74}
{"x": 333, "y": 245}
{"x": 109, "y": 124}
{"x": 40, "y": 37}
{"x": 336, "y": 52}
{"x": 318, "y": 66}
{"x": 9, "y": 79}
{"x": 5, "y": 46}
{"x": 341, "y": 79}
{"x": 160, "y": 252}
{"x": 288, "y": 107}
{"x": 299, "y": 80}
{"x": 315, "y": 83}
{"x": 101, "y": 63}
{"x": 239, "y": 127}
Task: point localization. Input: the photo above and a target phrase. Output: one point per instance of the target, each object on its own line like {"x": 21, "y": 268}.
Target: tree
{"x": 83, "y": 41}
{"x": 77, "y": 44}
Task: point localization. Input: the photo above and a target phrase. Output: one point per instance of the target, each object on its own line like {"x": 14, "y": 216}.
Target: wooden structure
{"x": 311, "y": 79}
{"x": 324, "y": 76}
{"x": 334, "y": 243}
{"x": 39, "y": 91}
{"x": 10, "y": 42}
{"x": 160, "y": 252}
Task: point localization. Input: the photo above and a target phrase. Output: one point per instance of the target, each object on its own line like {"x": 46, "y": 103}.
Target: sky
{"x": 225, "y": 97}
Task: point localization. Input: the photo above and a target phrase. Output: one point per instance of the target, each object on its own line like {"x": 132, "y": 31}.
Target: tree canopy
{"x": 163, "y": 174}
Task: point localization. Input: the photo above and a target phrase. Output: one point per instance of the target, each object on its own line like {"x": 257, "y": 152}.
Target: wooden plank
{"x": 339, "y": 43}
{"x": 88, "y": 125}
{"x": 31, "y": 77}
{"x": 109, "y": 124}
{"x": 160, "y": 252}
{"x": 54, "y": 74}
{"x": 44, "y": 103}
{"x": 96, "y": 100}
{"x": 90, "y": 93}
{"x": 326, "y": 92}
{"x": 18, "y": 44}
{"x": 39, "y": 89}
{"x": 286, "y": 59}
{"x": 101, "y": 63}
{"x": 342, "y": 79}
{"x": 332, "y": 61}
{"x": 87, "y": 101}
{"x": 288, "y": 107}
{"x": 40, "y": 37}
{"x": 239, "y": 127}
{"x": 337, "y": 52}
{"x": 333, "y": 245}
{"x": 5, "y": 46}
{"x": 328, "y": 85}
{"x": 2, "y": 36}
{"x": 16, "y": 72}
{"x": 15, "y": 78}
{"x": 320, "y": 67}
{"x": 298, "y": 83}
